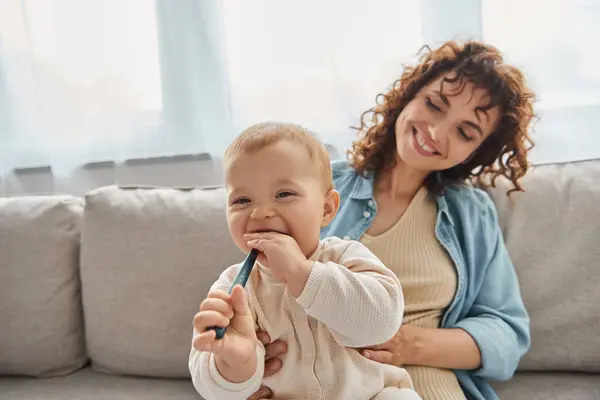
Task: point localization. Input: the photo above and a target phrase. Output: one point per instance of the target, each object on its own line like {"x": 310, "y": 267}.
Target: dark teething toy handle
{"x": 240, "y": 279}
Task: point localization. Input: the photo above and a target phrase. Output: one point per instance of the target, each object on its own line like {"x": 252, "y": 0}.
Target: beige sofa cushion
{"x": 41, "y": 327}
{"x": 553, "y": 235}
{"x": 149, "y": 256}
{"x": 549, "y": 386}
{"x": 87, "y": 384}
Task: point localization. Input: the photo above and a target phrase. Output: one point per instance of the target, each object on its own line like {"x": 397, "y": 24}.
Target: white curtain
{"x": 319, "y": 63}
{"x": 84, "y": 81}
{"x": 107, "y": 80}
{"x": 556, "y": 44}
{"x": 80, "y": 80}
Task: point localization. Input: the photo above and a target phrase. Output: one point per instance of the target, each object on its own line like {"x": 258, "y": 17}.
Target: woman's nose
{"x": 437, "y": 132}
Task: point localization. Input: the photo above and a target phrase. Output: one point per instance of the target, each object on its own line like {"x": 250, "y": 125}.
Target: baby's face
{"x": 277, "y": 189}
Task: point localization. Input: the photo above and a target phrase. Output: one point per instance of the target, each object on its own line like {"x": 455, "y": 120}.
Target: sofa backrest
{"x": 552, "y": 232}
{"x": 41, "y": 327}
{"x": 149, "y": 256}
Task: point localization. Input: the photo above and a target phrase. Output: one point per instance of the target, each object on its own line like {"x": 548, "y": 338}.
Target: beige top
{"x": 428, "y": 276}
{"x": 350, "y": 300}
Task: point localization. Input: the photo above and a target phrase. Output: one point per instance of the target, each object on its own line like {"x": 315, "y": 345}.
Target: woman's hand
{"x": 272, "y": 363}
{"x": 392, "y": 352}
{"x": 447, "y": 348}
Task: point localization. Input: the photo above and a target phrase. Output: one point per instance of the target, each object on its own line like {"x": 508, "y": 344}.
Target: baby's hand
{"x": 282, "y": 255}
{"x": 278, "y": 252}
{"x": 231, "y": 311}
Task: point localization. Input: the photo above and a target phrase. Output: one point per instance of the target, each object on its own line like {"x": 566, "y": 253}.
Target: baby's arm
{"x": 207, "y": 379}
{"x": 355, "y": 295}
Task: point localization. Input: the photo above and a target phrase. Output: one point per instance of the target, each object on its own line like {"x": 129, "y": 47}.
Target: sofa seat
{"x": 550, "y": 386}
{"x": 87, "y": 384}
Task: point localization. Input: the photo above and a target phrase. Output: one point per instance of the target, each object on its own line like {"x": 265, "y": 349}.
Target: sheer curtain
{"x": 556, "y": 44}
{"x": 107, "y": 80}
{"x": 319, "y": 63}
{"x": 80, "y": 81}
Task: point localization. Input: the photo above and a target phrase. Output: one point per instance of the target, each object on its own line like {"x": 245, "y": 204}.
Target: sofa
{"x": 97, "y": 294}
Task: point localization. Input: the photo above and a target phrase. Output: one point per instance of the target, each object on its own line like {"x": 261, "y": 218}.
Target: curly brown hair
{"x": 503, "y": 153}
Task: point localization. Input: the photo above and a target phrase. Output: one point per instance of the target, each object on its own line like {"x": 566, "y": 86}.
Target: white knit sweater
{"x": 351, "y": 300}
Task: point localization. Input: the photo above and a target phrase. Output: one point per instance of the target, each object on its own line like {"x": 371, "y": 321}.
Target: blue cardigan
{"x": 488, "y": 303}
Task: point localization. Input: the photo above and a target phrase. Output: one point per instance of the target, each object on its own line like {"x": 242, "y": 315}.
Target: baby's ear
{"x": 330, "y": 208}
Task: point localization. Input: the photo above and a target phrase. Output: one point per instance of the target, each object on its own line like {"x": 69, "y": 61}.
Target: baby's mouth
{"x": 268, "y": 231}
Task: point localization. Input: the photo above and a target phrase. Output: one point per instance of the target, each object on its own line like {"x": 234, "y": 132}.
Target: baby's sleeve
{"x": 354, "y": 294}
{"x": 207, "y": 380}
{"x": 211, "y": 385}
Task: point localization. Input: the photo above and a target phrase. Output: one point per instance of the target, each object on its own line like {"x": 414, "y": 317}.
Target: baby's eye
{"x": 241, "y": 201}
{"x": 282, "y": 195}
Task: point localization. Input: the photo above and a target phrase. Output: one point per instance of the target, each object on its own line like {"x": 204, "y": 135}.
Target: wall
{"x": 180, "y": 171}
{"x": 188, "y": 171}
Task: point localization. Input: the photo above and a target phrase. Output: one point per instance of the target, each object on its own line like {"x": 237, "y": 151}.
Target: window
{"x": 555, "y": 43}
{"x": 80, "y": 81}
{"x": 100, "y": 80}
{"x": 317, "y": 63}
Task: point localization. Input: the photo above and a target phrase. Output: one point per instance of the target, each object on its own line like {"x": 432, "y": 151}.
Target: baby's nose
{"x": 262, "y": 212}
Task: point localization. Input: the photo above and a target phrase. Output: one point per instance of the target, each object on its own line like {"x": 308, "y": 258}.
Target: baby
{"x": 323, "y": 297}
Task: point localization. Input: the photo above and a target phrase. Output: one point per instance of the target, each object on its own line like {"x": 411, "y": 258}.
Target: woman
{"x": 462, "y": 114}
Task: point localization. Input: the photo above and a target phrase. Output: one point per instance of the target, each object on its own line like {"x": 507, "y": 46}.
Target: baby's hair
{"x": 264, "y": 134}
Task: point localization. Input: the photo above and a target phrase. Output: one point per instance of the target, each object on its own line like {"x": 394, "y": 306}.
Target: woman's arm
{"x": 496, "y": 319}
{"x": 493, "y": 335}
{"x": 443, "y": 348}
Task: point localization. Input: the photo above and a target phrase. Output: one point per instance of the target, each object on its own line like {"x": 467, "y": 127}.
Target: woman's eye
{"x": 282, "y": 195}
{"x": 464, "y": 135}
{"x": 431, "y": 105}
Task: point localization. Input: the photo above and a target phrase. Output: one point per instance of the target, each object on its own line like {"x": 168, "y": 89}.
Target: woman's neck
{"x": 400, "y": 182}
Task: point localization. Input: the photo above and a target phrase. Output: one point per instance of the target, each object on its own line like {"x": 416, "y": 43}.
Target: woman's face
{"x": 439, "y": 130}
